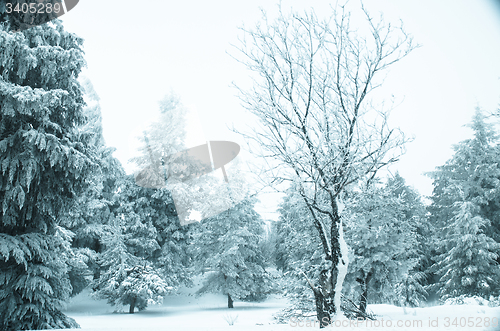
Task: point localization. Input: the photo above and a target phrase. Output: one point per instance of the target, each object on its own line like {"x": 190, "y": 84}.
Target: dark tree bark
{"x": 323, "y": 297}
{"x": 229, "y": 301}
{"x": 363, "y": 282}
{"x": 132, "y": 306}
{"x": 322, "y": 309}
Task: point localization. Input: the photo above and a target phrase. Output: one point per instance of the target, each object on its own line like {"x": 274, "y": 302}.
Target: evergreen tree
{"x": 174, "y": 257}
{"x": 469, "y": 266}
{"x": 97, "y": 205}
{"x": 142, "y": 235}
{"x": 161, "y": 140}
{"x": 297, "y": 247}
{"x": 411, "y": 290}
{"x": 149, "y": 237}
{"x": 128, "y": 279}
{"x": 474, "y": 168}
{"x": 44, "y": 168}
{"x": 464, "y": 213}
{"x": 228, "y": 246}
{"x": 151, "y": 203}
{"x": 381, "y": 238}
{"x": 154, "y": 232}
{"x": 134, "y": 214}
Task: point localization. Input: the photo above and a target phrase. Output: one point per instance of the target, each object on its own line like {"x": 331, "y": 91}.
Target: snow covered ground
{"x": 210, "y": 312}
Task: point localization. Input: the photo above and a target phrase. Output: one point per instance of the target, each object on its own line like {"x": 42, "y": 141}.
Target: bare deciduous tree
{"x": 312, "y": 96}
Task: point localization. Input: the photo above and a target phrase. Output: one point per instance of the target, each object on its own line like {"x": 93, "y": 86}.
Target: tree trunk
{"x": 132, "y": 306}
{"x": 324, "y": 305}
{"x": 330, "y": 280}
{"x": 363, "y": 299}
{"x": 229, "y": 301}
{"x": 363, "y": 281}
{"x": 323, "y": 309}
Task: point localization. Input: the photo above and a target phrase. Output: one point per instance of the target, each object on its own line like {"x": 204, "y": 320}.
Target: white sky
{"x": 137, "y": 53}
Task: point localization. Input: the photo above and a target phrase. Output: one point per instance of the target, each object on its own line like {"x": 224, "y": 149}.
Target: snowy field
{"x": 210, "y": 312}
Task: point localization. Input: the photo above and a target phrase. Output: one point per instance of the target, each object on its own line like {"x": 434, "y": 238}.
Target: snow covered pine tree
{"x": 464, "y": 214}
{"x": 43, "y": 169}
{"x": 228, "y": 246}
{"x": 128, "y": 279}
{"x": 382, "y": 239}
{"x": 97, "y": 205}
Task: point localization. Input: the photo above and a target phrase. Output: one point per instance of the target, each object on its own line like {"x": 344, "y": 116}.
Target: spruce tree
{"x": 297, "y": 247}
{"x": 473, "y": 167}
{"x": 174, "y": 257}
{"x": 43, "y": 167}
{"x": 464, "y": 213}
{"x": 381, "y": 239}
{"x": 161, "y": 140}
{"x": 153, "y": 230}
{"x": 97, "y": 205}
{"x": 128, "y": 279}
{"x": 410, "y": 291}
{"x": 145, "y": 253}
{"x": 154, "y": 201}
{"x": 228, "y": 247}
{"x": 468, "y": 267}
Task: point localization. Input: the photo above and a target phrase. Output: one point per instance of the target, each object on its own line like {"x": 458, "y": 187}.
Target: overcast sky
{"x": 138, "y": 53}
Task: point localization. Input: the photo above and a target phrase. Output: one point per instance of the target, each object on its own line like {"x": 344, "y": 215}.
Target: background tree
{"x": 228, "y": 247}
{"x": 142, "y": 234}
{"x": 97, "y": 205}
{"x": 128, "y": 279}
{"x": 44, "y": 168}
{"x": 160, "y": 140}
{"x": 474, "y": 167}
{"x": 464, "y": 215}
{"x": 383, "y": 241}
{"x": 154, "y": 232}
{"x": 469, "y": 266}
{"x": 411, "y": 290}
{"x": 311, "y": 94}
{"x": 145, "y": 231}
{"x": 298, "y": 248}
